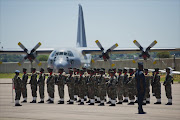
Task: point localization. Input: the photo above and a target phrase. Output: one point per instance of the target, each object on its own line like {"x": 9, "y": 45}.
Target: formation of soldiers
{"x": 91, "y": 85}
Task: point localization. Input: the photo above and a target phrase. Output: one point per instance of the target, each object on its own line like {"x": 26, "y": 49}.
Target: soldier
{"x": 50, "y": 85}
{"x": 107, "y": 87}
{"x": 112, "y": 87}
{"x": 17, "y": 86}
{"x": 157, "y": 86}
{"x": 153, "y": 73}
{"x": 76, "y": 89}
{"x": 41, "y": 84}
{"x": 61, "y": 82}
{"x": 131, "y": 86}
{"x": 125, "y": 87}
{"x": 96, "y": 92}
{"x": 167, "y": 84}
{"x": 91, "y": 90}
{"x": 102, "y": 87}
{"x": 87, "y": 78}
{"x": 120, "y": 87}
{"x": 86, "y": 88}
{"x": 70, "y": 82}
{"x": 24, "y": 85}
{"x": 75, "y": 84}
{"x": 81, "y": 82}
{"x": 33, "y": 83}
{"x": 141, "y": 87}
{"x": 148, "y": 81}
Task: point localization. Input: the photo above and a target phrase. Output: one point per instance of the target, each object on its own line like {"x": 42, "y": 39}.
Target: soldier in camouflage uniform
{"x": 70, "y": 83}
{"x": 125, "y": 87}
{"x": 91, "y": 82}
{"x": 96, "y": 93}
{"x": 24, "y": 85}
{"x": 60, "y": 83}
{"x": 148, "y": 80}
{"x": 41, "y": 84}
{"x": 87, "y": 78}
{"x": 153, "y": 73}
{"x": 107, "y": 87}
{"x": 86, "y": 88}
{"x": 81, "y": 83}
{"x": 75, "y": 84}
{"x": 120, "y": 87}
{"x": 131, "y": 86}
{"x": 17, "y": 86}
{"x": 112, "y": 87}
{"x": 50, "y": 85}
{"x": 157, "y": 86}
{"x": 33, "y": 83}
{"x": 102, "y": 87}
{"x": 76, "y": 92}
{"x": 167, "y": 84}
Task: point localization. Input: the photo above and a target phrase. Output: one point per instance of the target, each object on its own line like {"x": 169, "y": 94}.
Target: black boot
{"x": 18, "y": 104}
{"x": 157, "y": 103}
{"x": 88, "y": 101}
{"x": 81, "y": 103}
{"x": 91, "y": 104}
{"x": 112, "y": 105}
{"x": 47, "y": 100}
{"x": 119, "y": 103}
{"x": 34, "y": 101}
{"x": 136, "y": 101}
{"x": 61, "y": 102}
{"x": 168, "y": 103}
{"x": 101, "y": 104}
{"x": 125, "y": 100}
{"x": 147, "y": 102}
{"x": 41, "y": 101}
{"x": 50, "y": 102}
{"x": 70, "y": 103}
{"x": 131, "y": 103}
{"x": 24, "y": 101}
{"x": 109, "y": 102}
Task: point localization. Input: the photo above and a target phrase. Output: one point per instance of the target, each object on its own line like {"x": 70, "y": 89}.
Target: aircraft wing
{"x": 38, "y": 51}
{"x": 125, "y": 50}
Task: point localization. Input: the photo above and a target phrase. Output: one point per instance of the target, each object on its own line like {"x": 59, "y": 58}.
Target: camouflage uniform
{"x": 81, "y": 83}
{"x": 96, "y": 93}
{"x": 148, "y": 79}
{"x": 70, "y": 83}
{"x": 125, "y": 87}
{"x": 41, "y": 84}
{"x": 167, "y": 84}
{"x": 76, "y": 87}
{"x": 24, "y": 86}
{"x": 17, "y": 86}
{"x": 61, "y": 82}
{"x": 50, "y": 86}
{"x": 157, "y": 88}
{"x": 112, "y": 88}
{"x": 120, "y": 88}
{"x": 102, "y": 88}
{"x": 131, "y": 89}
{"x": 33, "y": 83}
{"x": 91, "y": 90}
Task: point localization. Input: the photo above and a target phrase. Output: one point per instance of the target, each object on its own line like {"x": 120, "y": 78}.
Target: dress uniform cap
{"x": 17, "y": 71}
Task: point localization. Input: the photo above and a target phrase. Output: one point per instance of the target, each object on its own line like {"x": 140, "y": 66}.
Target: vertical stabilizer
{"x": 81, "y": 35}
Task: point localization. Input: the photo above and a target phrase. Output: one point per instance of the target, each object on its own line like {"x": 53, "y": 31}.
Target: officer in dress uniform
{"x": 120, "y": 86}
{"x": 141, "y": 87}
{"x": 157, "y": 86}
{"x": 17, "y": 85}
{"x": 41, "y": 84}
{"x": 50, "y": 86}
{"x": 24, "y": 85}
{"x": 33, "y": 83}
{"x": 167, "y": 84}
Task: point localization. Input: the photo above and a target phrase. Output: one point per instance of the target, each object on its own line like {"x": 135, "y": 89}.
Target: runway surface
{"x": 55, "y": 111}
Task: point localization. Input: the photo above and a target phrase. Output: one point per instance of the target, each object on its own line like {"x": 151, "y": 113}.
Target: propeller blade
{"x": 135, "y": 59}
{"x": 22, "y": 61}
{"x": 36, "y": 47}
{"x": 138, "y": 45}
{"x": 113, "y": 47}
{"x": 151, "y": 45}
{"x": 99, "y": 45}
{"x": 152, "y": 60}
{"x": 38, "y": 62}
{"x": 22, "y": 46}
{"x": 110, "y": 61}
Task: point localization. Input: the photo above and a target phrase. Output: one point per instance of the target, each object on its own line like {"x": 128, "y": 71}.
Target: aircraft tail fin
{"x": 81, "y": 35}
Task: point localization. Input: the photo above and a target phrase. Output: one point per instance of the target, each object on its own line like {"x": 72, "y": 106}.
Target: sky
{"x": 54, "y": 22}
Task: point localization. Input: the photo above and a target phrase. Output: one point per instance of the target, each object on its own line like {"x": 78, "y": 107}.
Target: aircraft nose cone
{"x": 63, "y": 64}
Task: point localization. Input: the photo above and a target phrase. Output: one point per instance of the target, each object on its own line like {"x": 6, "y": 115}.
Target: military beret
{"x": 119, "y": 69}
{"x": 110, "y": 70}
{"x": 114, "y": 68}
{"x": 131, "y": 70}
{"x": 156, "y": 69}
{"x": 17, "y": 71}
{"x": 77, "y": 69}
{"x": 70, "y": 70}
{"x": 145, "y": 69}
{"x": 24, "y": 69}
{"x": 140, "y": 63}
{"x": 42, "y": 69}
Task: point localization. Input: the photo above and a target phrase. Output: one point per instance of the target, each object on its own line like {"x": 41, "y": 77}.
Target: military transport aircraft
{"x": 81, "y": 55}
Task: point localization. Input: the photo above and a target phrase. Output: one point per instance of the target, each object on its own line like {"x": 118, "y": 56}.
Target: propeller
{"x": 30, "y": 56}
{"x": 105, "y": 54}
{"x": 145, "y": 53}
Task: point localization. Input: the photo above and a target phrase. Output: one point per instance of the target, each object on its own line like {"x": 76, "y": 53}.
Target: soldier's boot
{"x": 169, "y": 102}
{"x": 109, "y": 102}
{"x": 24, "y": 101}
{"x": 71, "y": 102}
{"x": 126, "y": 99}
{"x": 88, "y": 101}
{"x": 68, "y": 100}
{"x": 75, "y": 97}
{"x": 17, "y": 103}
{"x": 61, "y": 102}
{"x": 113, "y": 103}
{"x": 42, "y": 101}
{"x": 120, "y": 102}
{"x": 82, "y": 102}
{"x": 144, "y": 102}
{"x": 34, "y": 100}
{"x": 48, "y": 100}
{"x": 102, "y": 103}
{"x": 91, "y": 102}
{"x": 79, "y": 100}
{"x": 131, "y": 102}
{"x": 147, "y": 100}
{"x": 51, "y": 102}
{"x": 158, "y": 101}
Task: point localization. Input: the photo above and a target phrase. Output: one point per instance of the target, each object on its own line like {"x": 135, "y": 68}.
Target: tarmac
{"x": 31, "y": 111}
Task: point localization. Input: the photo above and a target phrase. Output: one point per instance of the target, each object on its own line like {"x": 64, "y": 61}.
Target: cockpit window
{"x": 52, "y": 55}
{"x": 65, "y": 53}
{"x": 60, "y": 53}
{"x": 70, "y": 54}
